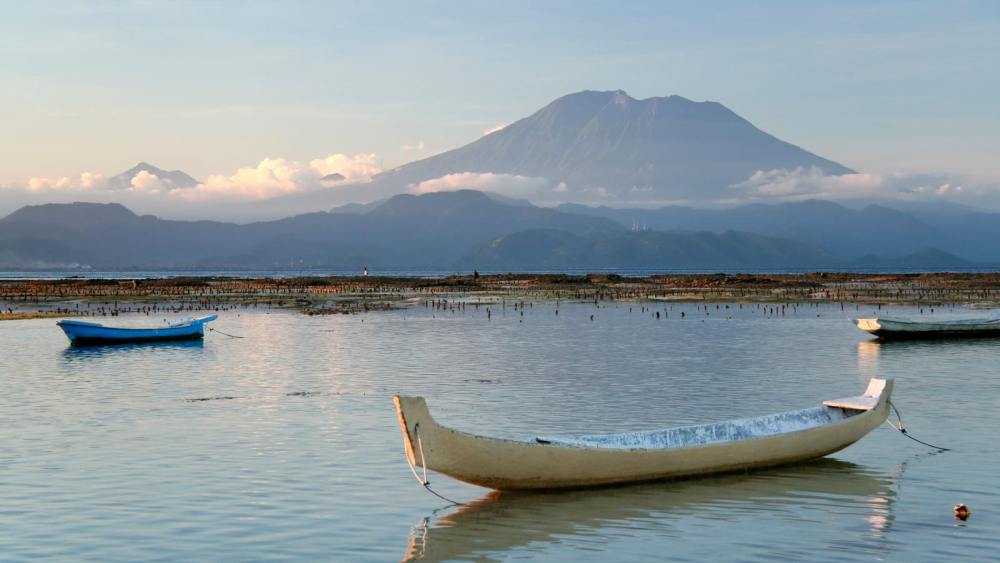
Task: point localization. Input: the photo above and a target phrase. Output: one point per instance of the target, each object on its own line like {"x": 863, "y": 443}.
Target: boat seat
{"x": 859, "y": 403}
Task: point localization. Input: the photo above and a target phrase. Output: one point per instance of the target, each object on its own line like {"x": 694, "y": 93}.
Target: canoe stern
{"x": 869, "y": 325}
{"x": 882, "y": 388}
{"x": 413, "y": 414}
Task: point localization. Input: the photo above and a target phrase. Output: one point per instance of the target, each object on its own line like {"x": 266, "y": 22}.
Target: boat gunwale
{"x": 637, "y": 449}
{"x": 819, "y": 409}
{"x": 178, "y": 325}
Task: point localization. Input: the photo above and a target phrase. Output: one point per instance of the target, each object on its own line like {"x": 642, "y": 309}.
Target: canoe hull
{"x": 514, "y": 465}
{"x": 100, "y": 340}
{"x": 87, "y": 334}
{"x": 893, "y": 329}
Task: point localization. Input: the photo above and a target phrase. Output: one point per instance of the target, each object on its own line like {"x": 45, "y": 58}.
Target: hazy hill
{"x": 40, "y": 254}
{"x": 434, "y": 231}
{"x": 925, "y": 259}
{"x": 846, "y": 232}
{"x": 548, "y": 249}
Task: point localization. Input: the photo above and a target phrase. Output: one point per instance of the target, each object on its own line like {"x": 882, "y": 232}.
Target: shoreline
{"x": 38, "y": 298}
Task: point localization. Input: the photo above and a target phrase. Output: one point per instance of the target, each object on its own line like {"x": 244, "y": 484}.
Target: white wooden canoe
{"x": 887, "y": 327}
{"x": 582, "y": 461}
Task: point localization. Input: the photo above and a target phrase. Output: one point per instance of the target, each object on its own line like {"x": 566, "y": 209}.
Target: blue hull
{"x": 80, "y": 332}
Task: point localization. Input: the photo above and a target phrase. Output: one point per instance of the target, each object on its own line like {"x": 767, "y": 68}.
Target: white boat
{"x": 888, "y": 327}
{"x": 580, "y": 461}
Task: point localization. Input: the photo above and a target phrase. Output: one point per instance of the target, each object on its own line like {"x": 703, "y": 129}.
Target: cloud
{"x": 90, "y": 180}
{"x": 413, "y": 148}
{"x": 506, "y": 184}
{"x": 357, "y": 168}
{"x": 495, "y": 128}
{"x": 803, "y": 183}
{"x": 598, "y": 191}
{"x": 144, "y": 182}
{"x": 279, "y": 176}
{"x": 85, "y": 181}
{"x": 269, "y": 178}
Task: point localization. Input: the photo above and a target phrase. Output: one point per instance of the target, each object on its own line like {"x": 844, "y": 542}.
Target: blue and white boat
{"x": 81, "y": 332}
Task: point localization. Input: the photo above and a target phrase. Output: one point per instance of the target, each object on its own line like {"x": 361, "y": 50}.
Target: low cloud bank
{"x": 278, "y": 176}
{"x": 495, "y": 128}
{"x": 83, "y": 182}
{"x": 761, "y": 187}
{"x": 812, "y": 183}
{"x": 270, "y": 178}
{"x": 255, "y": 192}
{"x": 504, "y": 184}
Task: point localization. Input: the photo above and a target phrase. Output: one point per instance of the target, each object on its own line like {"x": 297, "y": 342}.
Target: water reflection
{"x": 964, "y": 345}
{"x": 499, "y": 522}
{"x": 868, "y": 358}
{"x": 74, "y": 354}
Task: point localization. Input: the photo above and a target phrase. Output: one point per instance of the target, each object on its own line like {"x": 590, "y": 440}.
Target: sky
{"x": 217, "y": 88}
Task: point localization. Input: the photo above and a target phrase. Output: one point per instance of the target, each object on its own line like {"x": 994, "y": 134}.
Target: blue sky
{"x": 209, "y": 87}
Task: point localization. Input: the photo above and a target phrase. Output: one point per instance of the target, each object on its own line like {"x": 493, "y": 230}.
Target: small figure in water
{"x": 365, "y": 271}
{"x": 961, "y": 511}
{"x": 475, "y": 274}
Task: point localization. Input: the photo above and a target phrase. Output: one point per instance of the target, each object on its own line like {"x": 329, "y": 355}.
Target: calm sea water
{"x": 284, "y": 444}
{"x": 437, "y": 273}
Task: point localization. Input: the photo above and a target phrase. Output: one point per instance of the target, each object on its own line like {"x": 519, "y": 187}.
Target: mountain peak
{"x": 173, "y": 178}
{"x": 606, "y": 146}
{"x": 623, "y": 99}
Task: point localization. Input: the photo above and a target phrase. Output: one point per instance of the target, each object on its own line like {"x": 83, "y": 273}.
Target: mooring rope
{"x": 903, "y": 431}
{"x": 423, "y": 463}
{"x": 224, "y": 333}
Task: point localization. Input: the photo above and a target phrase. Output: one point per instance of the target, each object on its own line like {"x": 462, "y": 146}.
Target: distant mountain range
{"x": 432, "y": 230}
{"x": 469, "y": 229}
{"x": 875, "y": 229}
{"x": 606, "y": 143}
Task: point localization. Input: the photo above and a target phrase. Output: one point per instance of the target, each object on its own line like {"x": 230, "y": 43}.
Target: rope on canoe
{"x": 903, "y": 431}
{"x": 223, "y": 333}
{"x": 423, "y": 462}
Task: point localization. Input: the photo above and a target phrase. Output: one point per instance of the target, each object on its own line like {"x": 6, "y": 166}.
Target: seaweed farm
{"x": 334, "y": 295}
